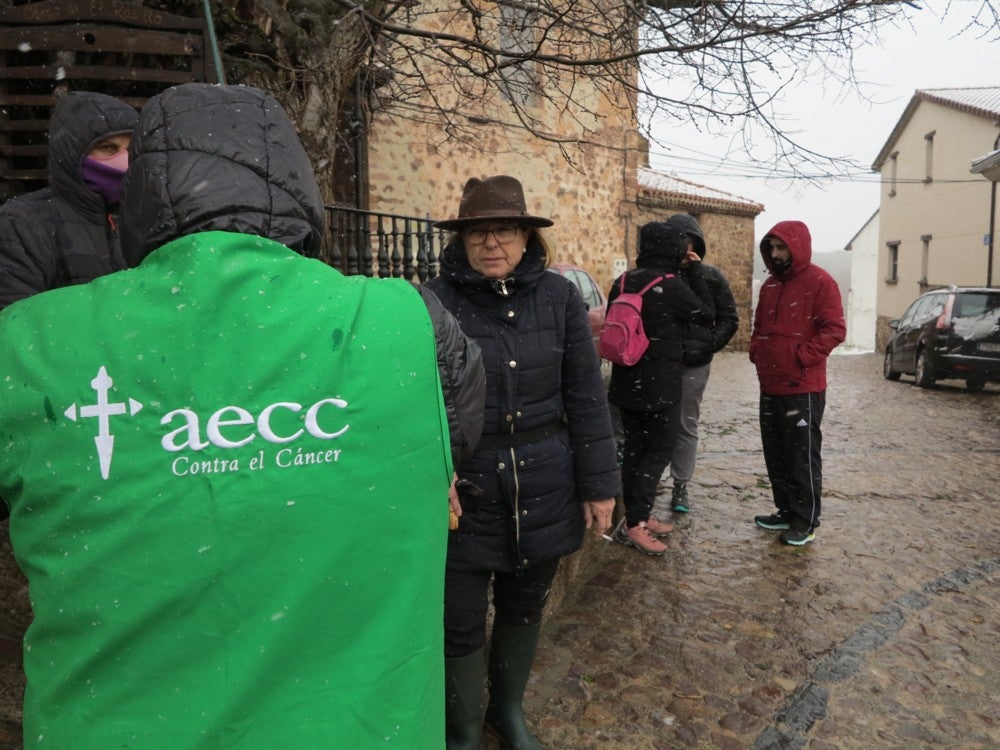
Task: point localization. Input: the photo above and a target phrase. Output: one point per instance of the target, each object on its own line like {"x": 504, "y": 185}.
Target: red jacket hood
{"x": 796, "y": 235}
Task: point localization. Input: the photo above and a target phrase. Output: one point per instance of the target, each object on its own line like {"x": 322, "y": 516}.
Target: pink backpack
{"x": 623, "y": 339}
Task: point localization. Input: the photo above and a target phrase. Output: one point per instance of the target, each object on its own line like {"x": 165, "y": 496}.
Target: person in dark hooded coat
{"x": 545, "y": 468}
{"x": 67, "y": 232}
{"x": 701, "y": 342}
{"x": 798, "y": 321}
{"x": 648, "y": 393}
{"x": 229, "y": 487}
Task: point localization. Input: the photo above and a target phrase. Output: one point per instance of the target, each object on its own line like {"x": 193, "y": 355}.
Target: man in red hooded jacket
{"x": 798, "y": 322}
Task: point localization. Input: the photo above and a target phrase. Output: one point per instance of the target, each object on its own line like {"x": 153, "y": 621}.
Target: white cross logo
{"x": 103, "y": 410}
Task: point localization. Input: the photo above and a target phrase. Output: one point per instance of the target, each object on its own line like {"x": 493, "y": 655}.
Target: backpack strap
{"x": 650, "y": 285}
{"x": 654, "y": 282}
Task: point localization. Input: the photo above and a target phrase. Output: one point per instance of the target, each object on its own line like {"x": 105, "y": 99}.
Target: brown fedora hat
{"x": 498, "y": 198}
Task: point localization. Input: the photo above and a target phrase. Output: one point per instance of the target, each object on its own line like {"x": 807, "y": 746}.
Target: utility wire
{"x": 715, "y": 167}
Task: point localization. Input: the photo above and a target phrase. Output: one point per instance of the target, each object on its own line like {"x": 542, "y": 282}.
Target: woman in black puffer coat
{"x": 648, "y": 394}
{"x": 545, "y": 467}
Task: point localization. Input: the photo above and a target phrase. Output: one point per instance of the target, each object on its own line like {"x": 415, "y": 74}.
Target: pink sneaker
{"x": 657, "y": 528}
{"x": 644, "y": 541}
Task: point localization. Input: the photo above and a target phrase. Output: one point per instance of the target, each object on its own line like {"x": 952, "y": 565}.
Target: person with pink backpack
{"x": 648, "y": 393}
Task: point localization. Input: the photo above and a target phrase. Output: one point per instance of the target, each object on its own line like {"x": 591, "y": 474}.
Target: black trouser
{"x": 792, "y": 440}
{"x": 649, "y": 443}
{"x": 518, "y": 599}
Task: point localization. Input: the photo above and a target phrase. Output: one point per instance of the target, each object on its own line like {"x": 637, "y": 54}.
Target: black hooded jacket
{"x": 701, "y": 341}
{"x": 667, "y": 309}
{"x": 63, "y": 234}
{"x": 257, "y": 181}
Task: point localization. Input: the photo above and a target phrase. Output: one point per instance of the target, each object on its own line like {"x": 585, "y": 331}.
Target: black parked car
{"x": 947, "y": 334}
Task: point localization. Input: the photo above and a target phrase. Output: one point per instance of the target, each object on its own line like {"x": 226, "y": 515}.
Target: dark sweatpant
{"x": 792, "y": 440}
{"x": 650, "y": 437}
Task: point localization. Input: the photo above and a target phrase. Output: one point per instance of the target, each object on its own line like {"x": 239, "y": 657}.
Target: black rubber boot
{"x": 512, "y": 650}
{"x": 464, "y": 680}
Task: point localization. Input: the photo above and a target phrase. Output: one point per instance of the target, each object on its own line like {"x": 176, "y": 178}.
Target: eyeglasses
{"x": 502, "y": 234}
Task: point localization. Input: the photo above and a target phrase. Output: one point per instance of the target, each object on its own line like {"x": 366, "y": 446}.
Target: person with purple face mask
{"x": 67, "y": 233}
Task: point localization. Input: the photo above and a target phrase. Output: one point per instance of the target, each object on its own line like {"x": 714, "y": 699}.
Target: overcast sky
{"x": 843, "y": 124}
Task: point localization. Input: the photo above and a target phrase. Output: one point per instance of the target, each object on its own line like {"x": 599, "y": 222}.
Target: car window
{"x": 591, "y": 295}
{"x": 928, "y": 307}
{"x": 574, "y": 276}
{"x": 976, "y": 305}
{"x": 917, "y": 311}
{"x": 586, "y": 285}
{"x": 936, "y": 307}
{"x": 910, "y": 313}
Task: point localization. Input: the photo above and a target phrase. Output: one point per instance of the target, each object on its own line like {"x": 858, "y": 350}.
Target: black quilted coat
{"x": 541, "y": 369}
{"x": 63, "y": 234}
{"x": 256, "y": 181}
{"x": 667, "y": 309}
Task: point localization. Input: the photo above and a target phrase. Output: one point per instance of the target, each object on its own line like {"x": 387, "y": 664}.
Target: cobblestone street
{"x": 883, "y": 633}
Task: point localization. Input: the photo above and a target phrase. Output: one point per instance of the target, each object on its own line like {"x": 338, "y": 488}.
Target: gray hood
{"x": 217, "y": 158}
{"x": 79, "y": 119}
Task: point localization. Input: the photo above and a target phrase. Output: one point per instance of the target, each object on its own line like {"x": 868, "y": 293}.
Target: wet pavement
{"x": 883, "y": 633}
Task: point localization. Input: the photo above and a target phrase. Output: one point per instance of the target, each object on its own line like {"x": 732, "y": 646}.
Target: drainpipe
{"x": 993, "y": 223}
{"x": 220, "y": 74}
{"x": 993, "y": 220}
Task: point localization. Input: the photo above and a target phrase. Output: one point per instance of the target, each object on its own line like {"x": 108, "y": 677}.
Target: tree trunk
{"x": 306, "y": 54}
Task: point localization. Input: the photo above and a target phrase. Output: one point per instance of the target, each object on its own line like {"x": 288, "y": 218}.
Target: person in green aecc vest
{"x": 228, "y": 467}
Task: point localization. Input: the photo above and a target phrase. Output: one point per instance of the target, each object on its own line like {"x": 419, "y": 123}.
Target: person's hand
{"x": 691, "y": 257}
{"x": 597, "y": 514}
{"x": 454, "y": 505}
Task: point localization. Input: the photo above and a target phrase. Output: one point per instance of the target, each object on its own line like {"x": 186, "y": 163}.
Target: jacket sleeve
{"x": 828, "y": 323}
{"x": 22, "y": 274}
{"x": 727, "y": 319}
{"x": 463, "y": 379}
{"x": 588, "y": 417}
{"x": 693, "y": 298}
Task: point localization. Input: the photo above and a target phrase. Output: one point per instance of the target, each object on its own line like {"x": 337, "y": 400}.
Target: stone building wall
{"x": 577, "y": 160}
{"x": 591, "y": 198}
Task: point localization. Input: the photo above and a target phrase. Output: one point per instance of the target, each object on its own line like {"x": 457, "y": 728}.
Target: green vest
{"x": 227, "y": 471}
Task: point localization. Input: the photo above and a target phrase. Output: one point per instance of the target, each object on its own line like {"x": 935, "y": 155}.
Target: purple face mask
{"x": 104, "y": 176}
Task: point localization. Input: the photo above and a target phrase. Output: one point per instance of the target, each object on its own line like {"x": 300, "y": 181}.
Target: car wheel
{"x": 887, "y": 372}
{"x": 975, "y": 384}
{"x": 922, "y": 372}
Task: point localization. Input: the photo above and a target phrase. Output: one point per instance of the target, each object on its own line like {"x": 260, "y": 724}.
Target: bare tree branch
{"x": 721, "y": 64}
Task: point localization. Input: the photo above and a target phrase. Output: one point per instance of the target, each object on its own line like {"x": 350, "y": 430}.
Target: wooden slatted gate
{"x": 116, "y": 47}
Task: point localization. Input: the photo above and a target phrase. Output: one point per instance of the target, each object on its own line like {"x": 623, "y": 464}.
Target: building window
{"x": 892, "y": 173}
{"x": 929, "y": 156}
{"x": 892, "y": 272}
{"x": 924, "y": 258}
{"x": 518, "y": 27}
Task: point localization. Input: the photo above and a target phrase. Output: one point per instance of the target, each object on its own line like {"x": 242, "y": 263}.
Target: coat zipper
{"x": 517, "y": 509}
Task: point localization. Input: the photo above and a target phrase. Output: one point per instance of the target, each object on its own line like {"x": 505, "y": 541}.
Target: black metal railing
{"x": 383, "y": 245}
